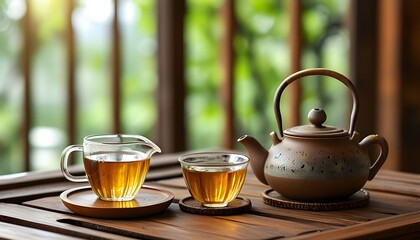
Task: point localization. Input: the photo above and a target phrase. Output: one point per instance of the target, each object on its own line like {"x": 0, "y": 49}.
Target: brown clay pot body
{"x": 301, "y": 168}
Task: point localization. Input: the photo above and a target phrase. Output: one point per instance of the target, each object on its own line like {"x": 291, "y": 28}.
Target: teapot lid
{"x": 316, "y": 117}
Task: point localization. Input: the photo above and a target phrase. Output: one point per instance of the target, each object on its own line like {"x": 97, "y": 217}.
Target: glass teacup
{"x": 214, "y": 178}
{"x": 116, "y": 165}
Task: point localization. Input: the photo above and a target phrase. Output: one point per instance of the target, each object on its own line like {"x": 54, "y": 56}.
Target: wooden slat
{"x": 409, "y": 178}
{"x": 388, "y": 80}
{"x": 47, "y": 221}
{"x": 171, "y": 131}
{"x": 363, "y": 61}
{"x": 12, "y": 231}
{"x": 116, "y": 71}
{"x": 295, "y": 42}
{"x": 26, "y": 71}
{"x": 406, "y": 226}
{"x": 188, "y": 223}
{"x": 71, "y": 55}
{"x": 409, "y": 89}
{"x": 228, "y": 63}
{"x": 160, "y": 226}
{"x": 244, "y": 225}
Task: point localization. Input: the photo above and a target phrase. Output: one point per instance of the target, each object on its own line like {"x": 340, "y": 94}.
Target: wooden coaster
{"x": 358, "y": 199}
{"x": 237, "y": 206}
{"x": 149, "y": 201}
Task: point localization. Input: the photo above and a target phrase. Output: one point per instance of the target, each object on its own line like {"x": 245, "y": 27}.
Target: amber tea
{"x": 116, "y": 176}
{"x": 214, "y": 179}
{"x": 214, "y": 188}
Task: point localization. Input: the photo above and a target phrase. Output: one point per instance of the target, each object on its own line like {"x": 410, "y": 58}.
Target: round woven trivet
{"x": 358, "y": 199}
{"x": 237, "y": 206}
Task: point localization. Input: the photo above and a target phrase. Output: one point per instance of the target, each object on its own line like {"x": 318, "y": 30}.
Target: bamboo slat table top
{"x": 30, "y": 208}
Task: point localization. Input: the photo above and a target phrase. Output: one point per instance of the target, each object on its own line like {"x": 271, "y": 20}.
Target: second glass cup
{"x": 214, "y": 178}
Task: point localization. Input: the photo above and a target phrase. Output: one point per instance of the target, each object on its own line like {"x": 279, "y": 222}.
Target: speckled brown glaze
{"x": 321, "y": 159}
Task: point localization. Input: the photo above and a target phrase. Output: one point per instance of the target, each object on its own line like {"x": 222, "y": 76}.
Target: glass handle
{"x": 64, "y": 163}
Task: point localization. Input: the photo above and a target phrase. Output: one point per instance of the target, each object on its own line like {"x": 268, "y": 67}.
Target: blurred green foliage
{"x": 262, "y": 61}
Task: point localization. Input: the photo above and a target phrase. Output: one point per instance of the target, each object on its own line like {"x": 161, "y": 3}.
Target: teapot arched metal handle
{"x": 312, "y": 72}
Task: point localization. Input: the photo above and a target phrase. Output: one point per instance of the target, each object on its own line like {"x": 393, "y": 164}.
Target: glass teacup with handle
{"x": 116, "y": 165}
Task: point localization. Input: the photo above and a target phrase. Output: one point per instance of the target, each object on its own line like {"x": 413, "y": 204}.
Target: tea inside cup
{"x": 116, "y": 176}
{"x": 214, "y": 178}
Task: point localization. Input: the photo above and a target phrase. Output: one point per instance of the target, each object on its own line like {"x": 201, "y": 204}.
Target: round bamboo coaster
{"x": 237, "y": 206}
{"x": 358, "y": 199}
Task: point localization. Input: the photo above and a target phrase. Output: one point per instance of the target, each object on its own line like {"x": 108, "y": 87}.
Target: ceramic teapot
{"x": 316, "y": 162}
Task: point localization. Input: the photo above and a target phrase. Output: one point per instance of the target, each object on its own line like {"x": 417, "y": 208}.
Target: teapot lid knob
{"x": 317, "y": 117}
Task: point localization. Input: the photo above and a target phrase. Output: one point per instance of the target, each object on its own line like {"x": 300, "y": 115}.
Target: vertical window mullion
{"x": 227, "y": 61}
{"x": 171, "y": 130}
{"x": 116, "y": 71}
{"x": 26, "y": 71}
{"x": 295, "y": 40}
{"x": 70, "y": 49}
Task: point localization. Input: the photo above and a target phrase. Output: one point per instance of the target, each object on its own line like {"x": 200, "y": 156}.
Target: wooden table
{"x": 30, "y": 208}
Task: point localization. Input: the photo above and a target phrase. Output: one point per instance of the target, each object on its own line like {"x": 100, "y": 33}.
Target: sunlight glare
{"x": 16, "y": 9}
{"x": 99, "y": 10}
{"x": 263, "y": 23}
{"x": 128, "y": 12}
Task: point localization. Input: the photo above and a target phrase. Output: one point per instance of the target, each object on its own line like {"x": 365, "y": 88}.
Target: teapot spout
{"x": 257, "y": 154}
